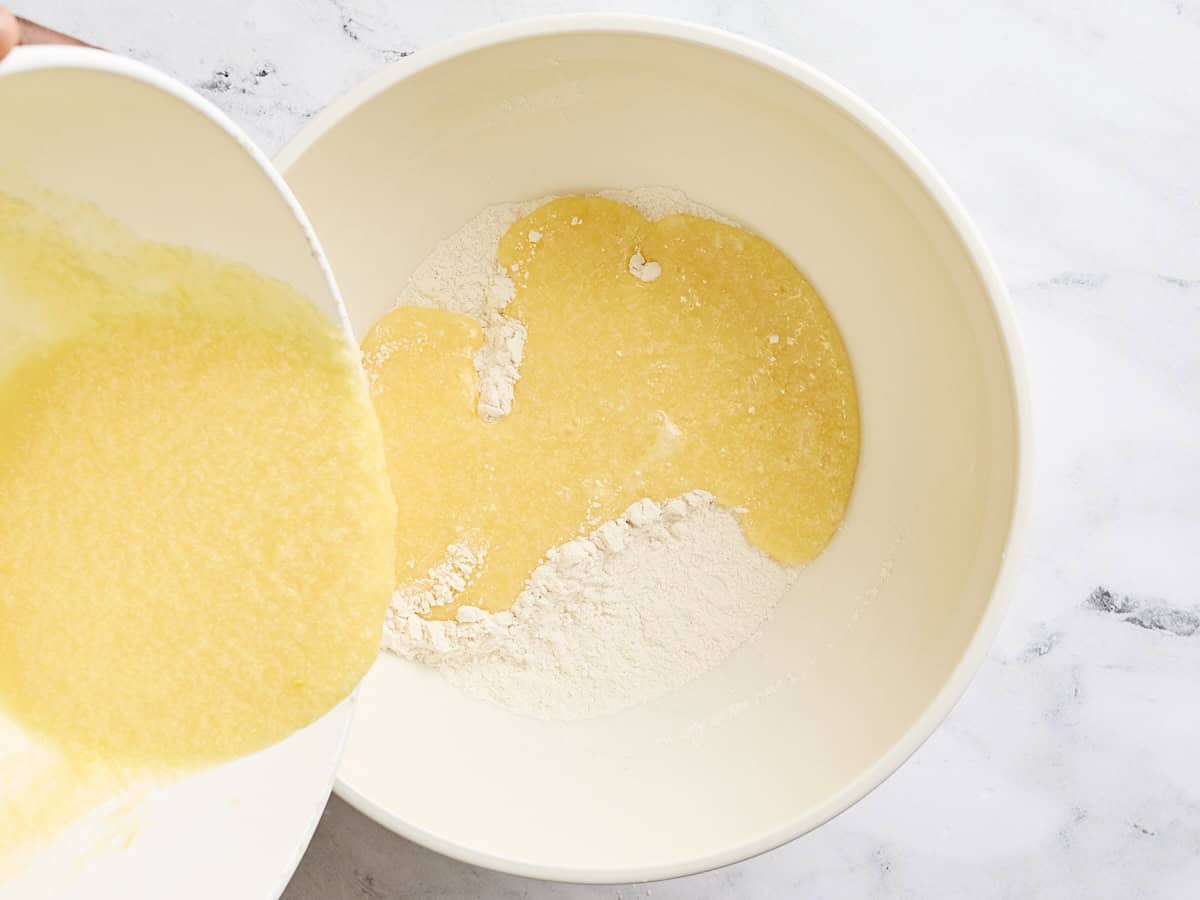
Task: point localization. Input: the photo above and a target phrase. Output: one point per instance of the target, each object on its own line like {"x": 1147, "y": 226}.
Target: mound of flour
{"x": 632, "y": 611}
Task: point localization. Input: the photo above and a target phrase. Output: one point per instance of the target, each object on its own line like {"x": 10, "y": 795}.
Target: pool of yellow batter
{"x": 196, "y": 532}
{"x": 725, "y": 373}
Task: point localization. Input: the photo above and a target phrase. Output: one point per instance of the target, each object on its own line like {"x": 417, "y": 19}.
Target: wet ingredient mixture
{"x": 660, "y": 358}
{"x": 196, "y": 532}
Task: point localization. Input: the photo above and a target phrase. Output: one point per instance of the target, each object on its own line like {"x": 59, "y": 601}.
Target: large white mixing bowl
{"x": 883, "y": 631}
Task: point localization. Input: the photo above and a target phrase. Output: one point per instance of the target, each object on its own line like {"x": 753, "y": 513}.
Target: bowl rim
{"x": 39, "y": 57}
{"x": 894, "y": 140}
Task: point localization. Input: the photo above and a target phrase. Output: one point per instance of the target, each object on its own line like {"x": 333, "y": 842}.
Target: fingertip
{"x": 8, "y": 32}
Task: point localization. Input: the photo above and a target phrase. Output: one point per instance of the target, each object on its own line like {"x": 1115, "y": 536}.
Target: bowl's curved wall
{"x": 156, "y": 157}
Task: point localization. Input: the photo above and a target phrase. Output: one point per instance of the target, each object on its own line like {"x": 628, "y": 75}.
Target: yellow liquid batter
{"x": 725, "y": 373}
{"x": 196, "y": 532}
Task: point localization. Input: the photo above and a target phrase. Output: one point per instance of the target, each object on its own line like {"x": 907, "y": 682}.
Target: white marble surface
{"x": 1071, "y": 131}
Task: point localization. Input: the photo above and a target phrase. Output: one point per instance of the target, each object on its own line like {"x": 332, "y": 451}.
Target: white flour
{"x": 634, "y": 610}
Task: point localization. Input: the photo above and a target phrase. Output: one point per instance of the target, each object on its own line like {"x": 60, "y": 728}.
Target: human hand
{"x": 15, "y": 31}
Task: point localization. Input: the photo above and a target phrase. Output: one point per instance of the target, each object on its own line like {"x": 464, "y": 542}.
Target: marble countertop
{"x": 1071, "y": 131}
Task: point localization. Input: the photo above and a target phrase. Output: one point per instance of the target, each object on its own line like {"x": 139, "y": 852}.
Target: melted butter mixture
{"x": 724, "y": 373}
{"x": 196, "y": 531}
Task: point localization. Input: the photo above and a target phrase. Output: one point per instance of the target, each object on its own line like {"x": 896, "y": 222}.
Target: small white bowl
{"x": 159, "y": 158}
{"x": 880, "y": 637}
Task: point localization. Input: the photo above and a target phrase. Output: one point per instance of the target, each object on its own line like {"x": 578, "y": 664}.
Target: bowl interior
{"x": 96, "y": 128}
{"x": 863, "y": 657}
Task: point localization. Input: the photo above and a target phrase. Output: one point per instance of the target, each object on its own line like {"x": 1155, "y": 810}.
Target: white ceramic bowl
{"x": 883, "y": 631}
{"x": 157, "y": 157}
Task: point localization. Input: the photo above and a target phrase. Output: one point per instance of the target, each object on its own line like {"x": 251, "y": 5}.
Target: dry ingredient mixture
{"x": 559, "y": 387}
{"x": 196, "y": 528}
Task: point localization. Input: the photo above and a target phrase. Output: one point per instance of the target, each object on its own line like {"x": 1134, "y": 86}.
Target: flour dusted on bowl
{"x": 624, "y": 615}
{"x": 643, "y": 596}
{"x": 461, "y": 275}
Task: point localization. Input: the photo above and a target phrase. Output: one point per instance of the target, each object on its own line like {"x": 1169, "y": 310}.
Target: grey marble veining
{"x": 1071, "y": 131}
